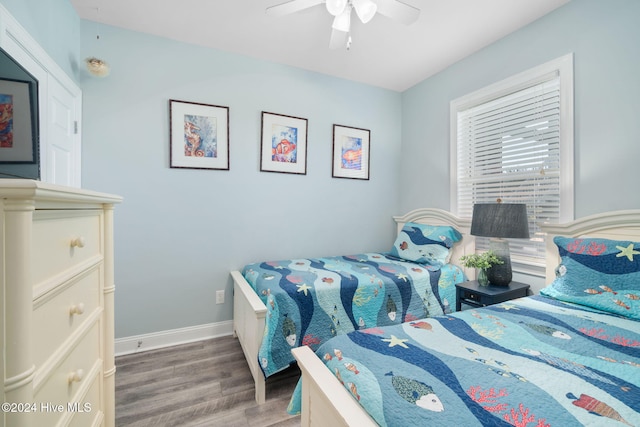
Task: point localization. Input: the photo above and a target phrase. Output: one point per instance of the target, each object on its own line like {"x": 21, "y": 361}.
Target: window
{"x": 514, "y": 141}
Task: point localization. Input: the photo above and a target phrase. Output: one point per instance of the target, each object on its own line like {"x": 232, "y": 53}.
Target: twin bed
{"x": 570, "y": 356}
{"x": 280, "y": 305}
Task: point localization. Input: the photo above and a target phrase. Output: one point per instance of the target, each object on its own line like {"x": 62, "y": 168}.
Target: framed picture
{"x": 199, "y": 135}
{"x": 18, "y": 122}
{"x": 283, "y": 145}
{"x": 350, "y": 152}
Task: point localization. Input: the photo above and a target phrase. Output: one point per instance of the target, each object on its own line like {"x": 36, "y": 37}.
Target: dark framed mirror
{"x": 19, "y": 121}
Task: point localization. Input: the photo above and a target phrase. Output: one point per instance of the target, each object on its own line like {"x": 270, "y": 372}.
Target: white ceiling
{"x": 384, "y": 53}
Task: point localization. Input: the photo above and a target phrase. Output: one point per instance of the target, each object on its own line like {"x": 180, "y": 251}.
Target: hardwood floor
{"x": 206, "y": 383}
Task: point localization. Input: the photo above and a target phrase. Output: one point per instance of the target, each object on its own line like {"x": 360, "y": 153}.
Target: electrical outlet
{"x": 220, "y": 297}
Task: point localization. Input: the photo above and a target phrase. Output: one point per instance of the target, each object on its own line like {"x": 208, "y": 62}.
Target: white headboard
{"x": 616, "y": 225}
{"x": 432, "y": 216}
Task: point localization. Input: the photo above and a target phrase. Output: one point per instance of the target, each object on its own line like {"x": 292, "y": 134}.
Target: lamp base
{"x": 500, "y": 274}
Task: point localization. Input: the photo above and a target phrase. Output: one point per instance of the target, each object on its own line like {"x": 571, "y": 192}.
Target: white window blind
{"x": 509, "y": 147}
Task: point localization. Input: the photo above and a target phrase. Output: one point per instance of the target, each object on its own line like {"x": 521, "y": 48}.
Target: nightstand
{"x": 471, "y": 293}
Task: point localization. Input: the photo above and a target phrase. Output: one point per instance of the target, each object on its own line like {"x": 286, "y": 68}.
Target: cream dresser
{"x": 56, "y": 258}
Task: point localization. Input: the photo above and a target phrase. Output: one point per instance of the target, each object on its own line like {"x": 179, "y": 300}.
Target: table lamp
{"x": 499, "y": 221}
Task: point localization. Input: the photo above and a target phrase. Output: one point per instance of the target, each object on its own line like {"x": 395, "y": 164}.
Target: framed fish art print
{"x": 199, "y": 135}
{"x": 283, "y": 144}
{"x": 18, "y": 121}
{"x": 350, "y": 152}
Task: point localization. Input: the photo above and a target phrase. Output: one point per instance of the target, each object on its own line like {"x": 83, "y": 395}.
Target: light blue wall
{"x": 180, "y": 231}
{"x": 604, "y": 37}
{"x": 55, "y": 25}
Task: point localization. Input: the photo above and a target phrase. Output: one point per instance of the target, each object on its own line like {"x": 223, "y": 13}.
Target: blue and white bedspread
{"x": 529, "y": 362}
{"x": 312, "y": 300}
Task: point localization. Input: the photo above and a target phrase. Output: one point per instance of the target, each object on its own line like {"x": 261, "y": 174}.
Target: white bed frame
{"x": 249, "y": 311}
{"x": 326, "y": 402}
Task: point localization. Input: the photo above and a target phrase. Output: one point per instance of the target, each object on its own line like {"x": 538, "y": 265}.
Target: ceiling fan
{"x": 341, "y": 10}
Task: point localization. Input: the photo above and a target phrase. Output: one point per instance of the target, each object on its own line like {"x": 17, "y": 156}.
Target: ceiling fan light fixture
{"x": 365, "y": 9}
{"x": 342, "y": 22}
{"x": 336, "y": 7}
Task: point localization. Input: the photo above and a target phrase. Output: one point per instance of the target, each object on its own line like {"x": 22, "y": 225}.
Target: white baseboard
{"x": 145, "y": 342}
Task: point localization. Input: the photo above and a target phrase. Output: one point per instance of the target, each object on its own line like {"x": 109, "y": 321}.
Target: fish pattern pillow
{"x": 599, "y": 273}
{"x": 425, "y": 244}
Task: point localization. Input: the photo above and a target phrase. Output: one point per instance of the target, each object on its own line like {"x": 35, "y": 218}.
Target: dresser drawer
{"x": 62, "y": 240}
{"x": 84, "y": 411}
{"x": 58, "y": 386}
{"x": 59, "y": 313}
{"x": 88, "y": 411}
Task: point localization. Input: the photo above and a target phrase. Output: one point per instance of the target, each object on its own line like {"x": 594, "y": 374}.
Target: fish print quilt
{"x": 534, "y": 361}
{"x": 312, "y": 300}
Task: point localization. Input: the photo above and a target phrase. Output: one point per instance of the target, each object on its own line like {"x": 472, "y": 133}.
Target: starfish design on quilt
{"x": 508, "y": 306}
{"x": 629, "y": 252}
{"x": 402, "y": 276}
{"x": 394, "y": 341}
{"x": 304, "y": 288}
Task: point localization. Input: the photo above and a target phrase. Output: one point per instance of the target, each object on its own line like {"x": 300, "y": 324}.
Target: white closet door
{"x": 63, "y": 145}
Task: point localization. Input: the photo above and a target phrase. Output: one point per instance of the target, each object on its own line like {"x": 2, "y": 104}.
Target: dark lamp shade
{"x": 502, "y": 220}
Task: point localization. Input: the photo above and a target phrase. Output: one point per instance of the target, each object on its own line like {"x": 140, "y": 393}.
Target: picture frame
{"x": 199, "y": 135}
{"x": 18, "y": 122}
{"x": 283, "y": 144}
{"x": 351, "y": 152}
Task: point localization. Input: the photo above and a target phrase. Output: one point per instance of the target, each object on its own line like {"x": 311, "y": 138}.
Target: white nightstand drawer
{"x": 59, "y": 313}
{"x": 62, "y": 240}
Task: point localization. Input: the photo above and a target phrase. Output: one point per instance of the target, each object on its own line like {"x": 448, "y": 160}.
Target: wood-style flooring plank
{"x": 201, "y": 384}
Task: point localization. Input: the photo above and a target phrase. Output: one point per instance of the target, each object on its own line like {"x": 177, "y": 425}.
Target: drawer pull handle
{"x": 76, "y": 309}
{"x": 78, "y": 242}
{"x": 76, "y": 377}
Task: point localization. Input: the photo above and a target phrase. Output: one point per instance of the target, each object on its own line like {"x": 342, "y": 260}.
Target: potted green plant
{"x": 482, "y": 262}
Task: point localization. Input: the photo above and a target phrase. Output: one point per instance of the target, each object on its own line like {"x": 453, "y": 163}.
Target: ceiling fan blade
{"x": 338, "y": 39}
{"x": 342, "y": 22}
{"x": 292, "y": 6}
{"x": 398, "y": 11}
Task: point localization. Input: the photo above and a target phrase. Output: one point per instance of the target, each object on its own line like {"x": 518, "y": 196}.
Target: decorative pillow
{"x": 599, "y": 273}
{"x": 425, "y": 244}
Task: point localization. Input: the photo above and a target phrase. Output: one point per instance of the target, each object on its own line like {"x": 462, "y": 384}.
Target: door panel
{"x": 63, "y": 149}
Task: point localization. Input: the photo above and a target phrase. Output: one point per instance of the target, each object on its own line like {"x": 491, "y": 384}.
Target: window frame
{"x": 563, "y": 67}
